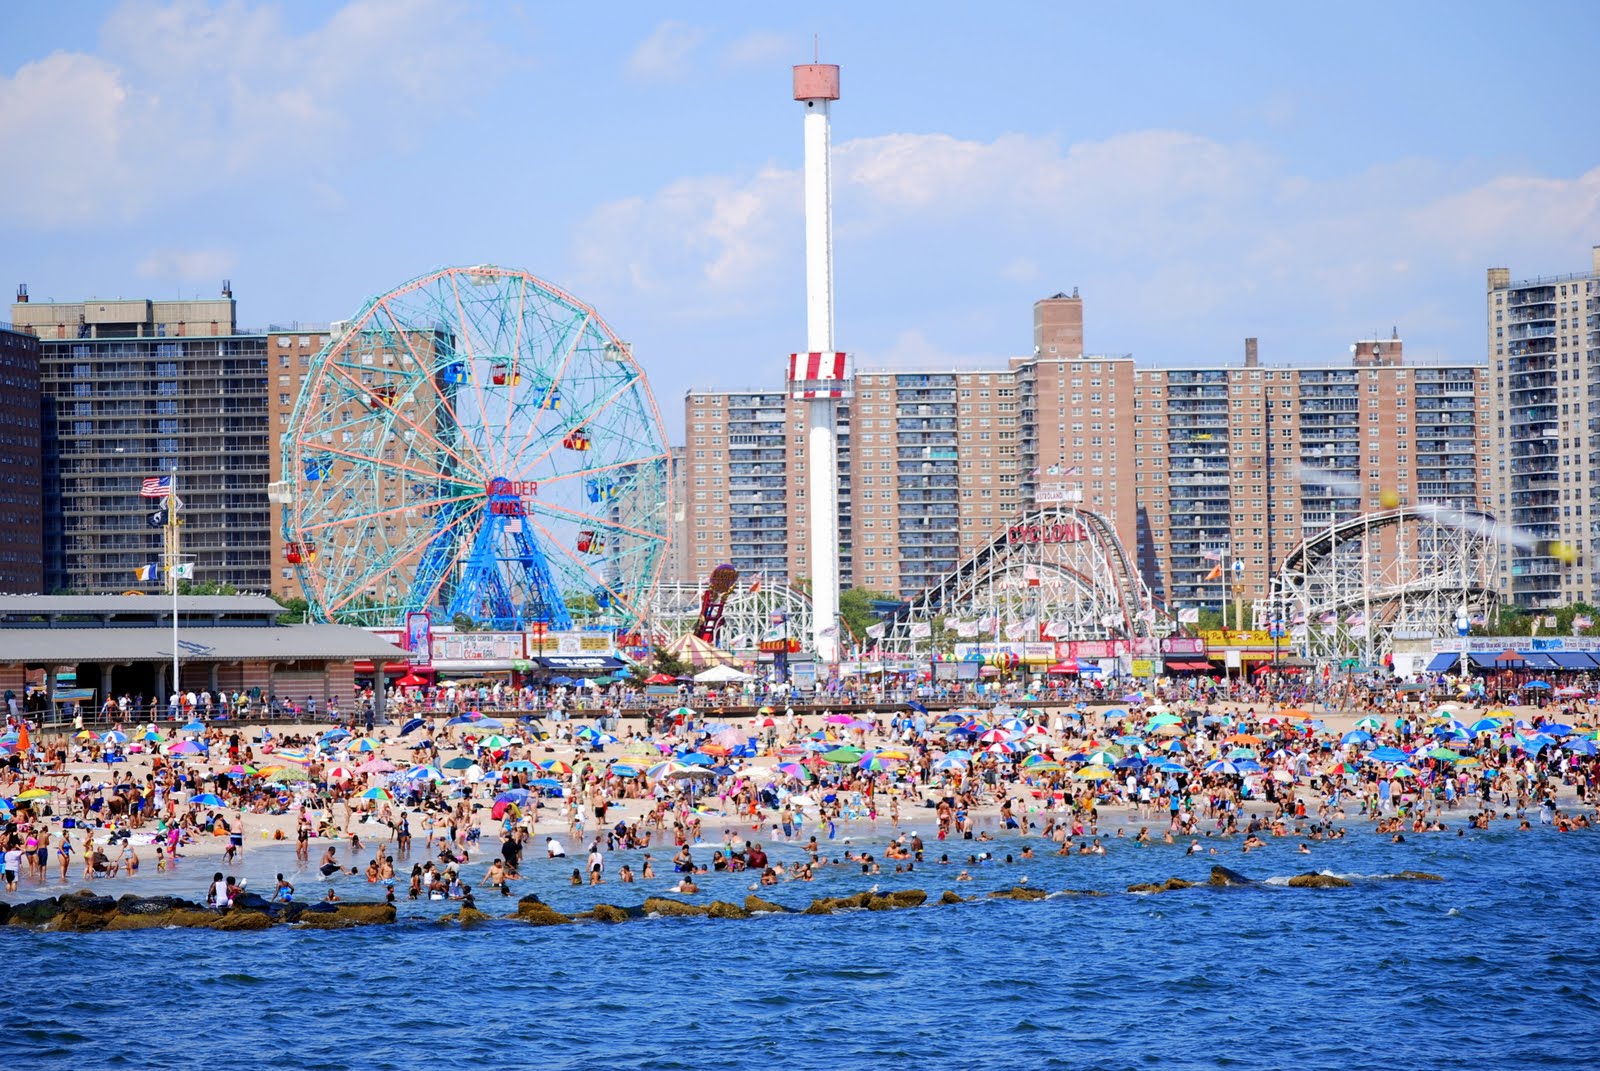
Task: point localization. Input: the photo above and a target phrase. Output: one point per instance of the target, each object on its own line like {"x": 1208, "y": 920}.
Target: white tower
{"x": 820, "y": 376}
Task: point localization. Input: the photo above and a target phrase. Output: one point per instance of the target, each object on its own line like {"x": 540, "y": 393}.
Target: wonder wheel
{"x": 476, "y": 442}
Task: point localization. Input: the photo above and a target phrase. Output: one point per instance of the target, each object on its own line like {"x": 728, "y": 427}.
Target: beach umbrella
{"x": 411, "y": 726}
{"x": 1388, "y": 754}
{"x": 949, "y": 718}
{"x": 1165, "y": 718}
{"x": 1556, "y": 729}
{"x": 690, "y": 712}
{"x": 363, "y": 744}
{"x": 1221, "y": 766}
{"x": 339, "y": 773}
{"x": 1118, "y": 712}
{"x": 1241, "y": 753}
{"x": 1370, "y": 723}
{"x": 1402, "y": 770}
{"x": 1094, "y": 773}
{"x": 622, "y": 769}
{"x": 951, "y": 762}
{"x": 115, "y": 737}
{"x": 1102, "y": 757}
{"x": 1283, "y": 776}
{"x": 336, "y": 734}
{"x": 999, "y": 747}
{"x": 299, "y": 757}
{"x": 1168, "y": 766}
{"x": 1132, "y": 762}
{"x": 207, "y": 799}
{"x": 1044, "y": 767}
{"x": 32, "y": 794}
{"x": 1485, "y": 725}
{"x": 1445, "y": 754}
{"x": 1541, "y": 685}
{"x": 518, "y": 796}
{"x": 843, "y": 756}
{"x": 377, "y": 792}
{"x": 1581, "y": 747}
{"x": 1355, "y": 736}
{"x": 555, "y": 766}
{"x": 875, "y": 763}
{"x": 193, "y": 727}
{"x": 372, "y": 766}
{"x": 424, "y": 773}
{"x": 187, "y": 747}
{"x": 460, "y": 762}
{"x": 496, "y": 742}
{"x": 465, "y": 719}
{"x": 793, "y": 769}
{"x": 242, "y": 771}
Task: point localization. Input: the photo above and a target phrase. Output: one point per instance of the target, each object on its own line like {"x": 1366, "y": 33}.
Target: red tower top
{"x": 816, "y": 81}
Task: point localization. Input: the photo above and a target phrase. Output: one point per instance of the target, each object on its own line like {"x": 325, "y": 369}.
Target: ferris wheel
{"x": 476, "y": 442}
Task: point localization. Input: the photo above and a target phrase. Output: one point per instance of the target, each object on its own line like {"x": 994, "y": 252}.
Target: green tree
{"x": 855, "y": 606}
{"x": 296, "y": 611}
{"x": 463, "y": 623}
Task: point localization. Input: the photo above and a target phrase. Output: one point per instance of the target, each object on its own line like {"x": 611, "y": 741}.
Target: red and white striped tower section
{"x": 821, "y": 376}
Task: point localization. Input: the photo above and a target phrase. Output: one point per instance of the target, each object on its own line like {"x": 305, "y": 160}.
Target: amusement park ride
{"x": 476, "y": 442}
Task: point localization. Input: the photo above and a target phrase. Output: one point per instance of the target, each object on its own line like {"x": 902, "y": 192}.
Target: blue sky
{"x": 1304, "y": 173}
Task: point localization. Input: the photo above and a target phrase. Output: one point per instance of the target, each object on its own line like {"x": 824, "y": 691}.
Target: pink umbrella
{"x": 838, "y": 719}
{"x": 377, "y": 766}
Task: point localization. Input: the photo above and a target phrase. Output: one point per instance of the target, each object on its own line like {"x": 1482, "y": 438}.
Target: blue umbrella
{"x": 694, "y": 758}
{"x": 1222, "y": 766}
{"x": 1556, "y": 730}
{"x": 1168, "y": 766}
{"x": 209, "y": 799}
{"x": 918, "y": 707}
{"x": 193, "y": 727}
{"x": 561, "y": 680}
{"x": 545, "y": 782}
{"x": 465, "y": 719}
{"x": 1356, "y": 736}
{"x": 1537, "y": 684}
{"x": 1115, "y": 712}
{"x": 1388, "y": 754}
{"x": 335, "y": 734}
{"x": 1132, "y": 762}
{"x": 412, "y": 726}
{"x": 519, "y": 796}
{"x": 1581, "y": 747}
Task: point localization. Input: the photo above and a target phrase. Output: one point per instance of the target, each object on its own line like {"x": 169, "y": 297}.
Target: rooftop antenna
{"x": 816, "y": 49}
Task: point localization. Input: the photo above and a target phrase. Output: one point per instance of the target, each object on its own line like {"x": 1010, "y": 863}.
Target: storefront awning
{"x": 581, "y": 663}
{"x": 1444, "y": 663}
{"x": 1536, "y": 660}
{"x": 1578, "y": 660}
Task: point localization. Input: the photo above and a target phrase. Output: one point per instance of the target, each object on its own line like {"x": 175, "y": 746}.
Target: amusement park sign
{"x": 1046, "y": 533}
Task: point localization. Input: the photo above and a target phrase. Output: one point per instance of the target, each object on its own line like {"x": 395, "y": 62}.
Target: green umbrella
{"x": 1444, "y": 753}
{"x": 460, "y": 762}
{"x": 842, "y": 755}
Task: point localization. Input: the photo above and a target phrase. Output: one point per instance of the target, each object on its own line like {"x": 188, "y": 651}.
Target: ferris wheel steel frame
{"x": 1406, "y": 572}
{"x": 476, "y": 441}
{"x": 1061, "y": 565}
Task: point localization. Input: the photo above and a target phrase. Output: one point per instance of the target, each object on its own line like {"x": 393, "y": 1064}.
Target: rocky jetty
{"x": 84, "y": 912}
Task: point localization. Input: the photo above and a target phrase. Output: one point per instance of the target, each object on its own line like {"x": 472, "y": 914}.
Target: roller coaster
{"x": 1057, "y": 573}
{"x": 1355, "y": 587}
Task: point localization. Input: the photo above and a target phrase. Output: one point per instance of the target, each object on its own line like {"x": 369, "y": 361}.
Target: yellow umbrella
{"x": 33, "y": 794}
{"x": 1095, "y": 773}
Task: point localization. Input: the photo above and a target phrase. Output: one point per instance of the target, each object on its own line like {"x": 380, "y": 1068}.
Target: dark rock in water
{"x": 1416, "y": 875}
{"x": 898, "y": 899}
{"x": 154, "y": 905}
{"x": 470, "y": 916}
{"x": 322, "y": 908}
{"x": 242, "y": 920}
{"x": 254, "y": 902}
{"x": 1221, "y": 875}
{"x": 5, "y": 912}
{"x": 820, "y": 907}
{"x": 1170, "y": 885}
{"x": 292, "y": 911}
{"x": 88, "y": 903}
{"x": 948, "y": 897}
{"x": 753, "y": 904}
{"x": 34, "y": 912}
{"x": 345, "y": 915}
{"x": 608, "y": 913}
{"x": 536, "y": 912}
{"x": 660, "y": 905}
{"x": 721, "y": 909}
{"x": 1317, "y": 881}
{"x": 1019, "y": 892}
{"x": 1081, "y": 892}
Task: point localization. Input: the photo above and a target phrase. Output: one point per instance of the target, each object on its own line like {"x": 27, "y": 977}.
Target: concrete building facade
{"x": 1543, "y": 338}
{"x": 21, "y": 465}
{"x": 135, "y": 389}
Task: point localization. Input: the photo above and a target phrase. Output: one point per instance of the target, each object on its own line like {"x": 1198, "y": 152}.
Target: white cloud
{"x": 760, "y": 49}
{"x": 664, "y": 55}
{"x": 1160, "y": 226}
{"x": 186, "y": 96}
{"x": 186, "y": 264}
{"x": 913, "y": 349}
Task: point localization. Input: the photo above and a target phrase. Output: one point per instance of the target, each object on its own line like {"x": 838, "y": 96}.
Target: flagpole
{"x": 172, "y": 570}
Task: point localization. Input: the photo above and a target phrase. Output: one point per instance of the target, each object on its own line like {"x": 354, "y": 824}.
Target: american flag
{"x": 156, "y": 487}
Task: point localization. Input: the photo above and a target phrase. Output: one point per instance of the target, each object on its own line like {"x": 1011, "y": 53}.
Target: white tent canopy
{"x": 720, "y": 675}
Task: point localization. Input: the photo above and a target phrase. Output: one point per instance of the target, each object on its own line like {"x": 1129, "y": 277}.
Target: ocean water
{"x": 1495, "y": 967}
